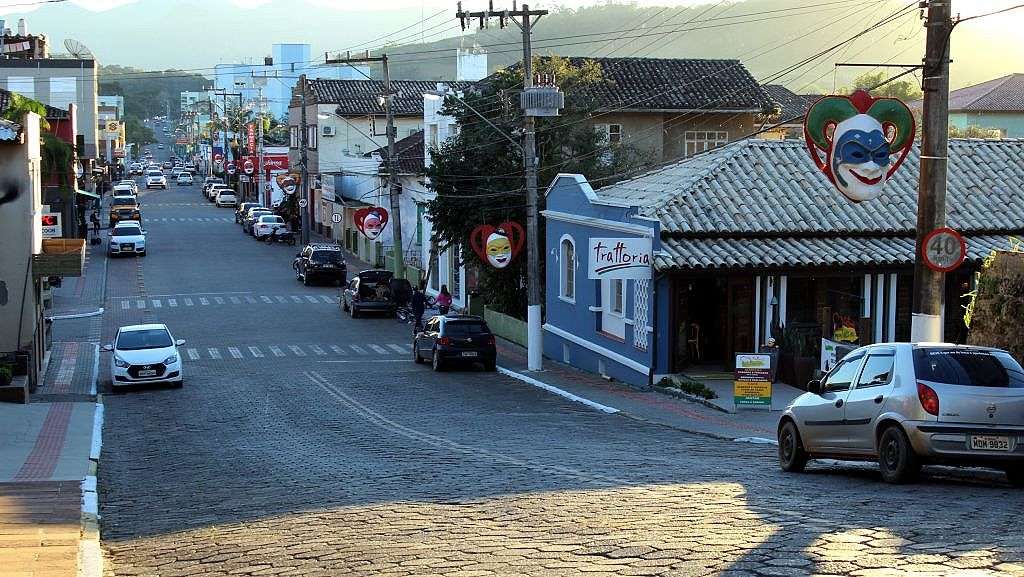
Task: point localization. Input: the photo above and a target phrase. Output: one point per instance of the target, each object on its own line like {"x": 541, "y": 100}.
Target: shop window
{"x": 568, "y": 269}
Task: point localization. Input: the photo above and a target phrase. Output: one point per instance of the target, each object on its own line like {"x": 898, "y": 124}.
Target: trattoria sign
{"x": 620, "y": 258}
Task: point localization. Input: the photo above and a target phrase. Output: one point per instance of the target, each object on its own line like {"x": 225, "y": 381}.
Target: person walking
{"x": 418, "y": 304}
{"x": 94, "y": 218}
{"x": 444, "y": 300}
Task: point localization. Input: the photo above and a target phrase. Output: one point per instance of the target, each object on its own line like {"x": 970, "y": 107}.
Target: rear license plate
{"x": 149, "y": 373}
{"x": 469, "y": 354}
{"x": 990, "y": 443}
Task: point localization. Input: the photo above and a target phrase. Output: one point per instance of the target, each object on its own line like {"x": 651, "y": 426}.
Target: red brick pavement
{"x": 42, "y": 461}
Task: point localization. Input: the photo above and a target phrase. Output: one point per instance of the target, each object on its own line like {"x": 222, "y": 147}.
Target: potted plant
{"x": 6, "y": 375}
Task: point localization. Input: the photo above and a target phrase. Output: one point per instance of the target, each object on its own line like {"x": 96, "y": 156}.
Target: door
{"x": 613, "y": 307}
{"x": 822, "y": 416}
{"x": 865, "y": 401}
{"x": 425, "y": 340}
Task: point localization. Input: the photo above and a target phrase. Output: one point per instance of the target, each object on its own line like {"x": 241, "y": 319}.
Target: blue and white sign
{"x": 620, "y": 258}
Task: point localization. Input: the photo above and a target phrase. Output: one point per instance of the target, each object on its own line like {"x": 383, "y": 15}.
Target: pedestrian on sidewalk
{"x": 418, "y": 303}
{"x": 94, "y": 218}
{"x": 444, "y": 300}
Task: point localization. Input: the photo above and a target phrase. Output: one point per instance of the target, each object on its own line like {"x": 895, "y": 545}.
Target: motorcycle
{"x": 284, "y": 236}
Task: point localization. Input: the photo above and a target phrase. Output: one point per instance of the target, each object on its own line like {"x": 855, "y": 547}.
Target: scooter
{"x": 284, "y": 236}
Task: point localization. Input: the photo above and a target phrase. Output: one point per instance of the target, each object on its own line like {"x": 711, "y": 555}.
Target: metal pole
{"x": 393, "y": 189}
{"x": 303, "y": 144}
{"x": 533, "y": 273}
{"x": 929, "y": 287}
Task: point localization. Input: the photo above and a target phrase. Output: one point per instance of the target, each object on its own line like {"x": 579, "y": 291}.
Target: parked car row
{"x": 262, "y": 224}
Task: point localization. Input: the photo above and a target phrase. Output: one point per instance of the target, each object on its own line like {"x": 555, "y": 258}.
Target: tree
{"x": 905, "y": 90}
{"x": 20, "y": 105}
{"x": 137, "y": 132}
{"x": 478, "y": 174}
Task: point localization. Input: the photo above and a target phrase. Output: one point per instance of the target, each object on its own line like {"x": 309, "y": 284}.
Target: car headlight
{"x": 120, "y": 363}
{"x": 171, "y": 360}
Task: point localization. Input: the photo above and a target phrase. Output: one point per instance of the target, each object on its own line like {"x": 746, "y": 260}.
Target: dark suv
{"x": 320, "y": 262}
{"x": 455, "y": 338}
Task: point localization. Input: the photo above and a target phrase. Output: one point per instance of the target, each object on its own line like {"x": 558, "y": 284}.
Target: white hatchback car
{"x": 267, "y": 223}
{"x": 145, "y": 354}
{"x": 226, "y": 197}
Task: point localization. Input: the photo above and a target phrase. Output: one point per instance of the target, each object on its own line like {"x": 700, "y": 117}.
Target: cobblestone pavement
{"x": 372, "y": 465}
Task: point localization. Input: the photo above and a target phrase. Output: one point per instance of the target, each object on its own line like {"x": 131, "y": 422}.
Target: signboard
{"x": 336, "y": 218}
{"x": 248, "y": 167}
{"x": 752, "y": 382}
{"x": 181, "y": 140}
{"x": 243, "y": 178}
{"x": 218, "y": 157}
{"x": 303, "y": 203}
{"x": 620, "y": 258}
{"x": 231, "y": 168}
{"x": 51, "y": 225}
{"x": 327, "y": 187}
{"x": 251, "y": 129}
{"x": 943, "y": 249}
{"x": 118, "y": 153}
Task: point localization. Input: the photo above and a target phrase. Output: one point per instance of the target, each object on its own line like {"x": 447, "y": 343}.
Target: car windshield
{"x": 123, "y": 201}
{"x": 126, "y": 231}
{"x": 153, "y": 174}
{"x": 463, "y": 329}
{"x": 326, "y": 256}
{"x": 968, "y": 367}
{"x": 144, "y": 339}
{"x": 271, "y": 219}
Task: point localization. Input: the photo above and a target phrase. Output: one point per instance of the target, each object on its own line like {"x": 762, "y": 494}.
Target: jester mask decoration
{"x": 863, "y": 139}
{"x": 371, "y": 221}
{"x": 498, "y": 246}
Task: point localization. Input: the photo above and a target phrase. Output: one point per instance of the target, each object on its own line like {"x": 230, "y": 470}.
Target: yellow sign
{"x": 752, "y": 384}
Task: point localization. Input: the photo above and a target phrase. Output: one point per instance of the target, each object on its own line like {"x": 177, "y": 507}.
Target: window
{"x": 126, "y": 231}
{"x": 877, "y": 371}
{"x": 412, "y": 131}
{"x": 293, "y": 136}
{"x": 699, "y": 141}
{"x": 357, "y": 149}
{"x": 311, "y": 137}
{"x": 568, "y": 268}
{"x": 433, "y": 136}
{"x": 23, "y": 85}
{"x": 144, "y": 339}
{"x": 968, "y": 367}
{"x": 612, "y": 133}
{"x": 62, "y": 92}
{"x": 843, "y": 374}
{"x": 462, "y": 330}
{"x": 618, "y": 296}
{"x": 453, "y": 129}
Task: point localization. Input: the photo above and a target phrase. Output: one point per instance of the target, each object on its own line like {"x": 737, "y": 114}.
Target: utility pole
{"x": 525, "y": 19}
{"x": 392, "y": 166}
{"x": 929, "y": 285}
{"x": 259, "y": 163}
{"x": 304, "y": 185}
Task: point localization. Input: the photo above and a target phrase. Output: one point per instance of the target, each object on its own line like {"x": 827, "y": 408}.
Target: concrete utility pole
{"x": 393, "y": 188}
{"x": 929, "y": 285}
{"x": 303, "y": 153}
{"x": 259, "y": 163}
{"x": 526, "y": 19}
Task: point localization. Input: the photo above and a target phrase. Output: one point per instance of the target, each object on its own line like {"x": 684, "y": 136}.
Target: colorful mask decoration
{"x": 289, "y": 183}
{"x": 863, "y": 139}
{"x": 497, "y": 246}
{"x": 371, "y": 221}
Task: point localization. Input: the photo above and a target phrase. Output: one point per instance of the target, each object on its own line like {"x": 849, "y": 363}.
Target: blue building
{"x": 750, "y": 242}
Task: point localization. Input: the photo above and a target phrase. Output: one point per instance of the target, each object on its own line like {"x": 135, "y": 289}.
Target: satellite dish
{"x": 77, "y": 49}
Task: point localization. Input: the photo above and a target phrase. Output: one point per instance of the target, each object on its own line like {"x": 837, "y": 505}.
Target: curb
{"x": 553, "y": 389}
{"x": 94, "y": 313}
{"x": 90, "y": 555}
{"x": 692, "y": 398}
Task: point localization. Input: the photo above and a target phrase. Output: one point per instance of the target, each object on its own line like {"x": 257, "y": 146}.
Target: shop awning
{"x": 87, "y": 193}
{"x": 794, "y": 252}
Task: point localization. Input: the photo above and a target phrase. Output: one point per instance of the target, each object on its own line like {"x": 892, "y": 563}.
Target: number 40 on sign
{"x": 943, "y": 249}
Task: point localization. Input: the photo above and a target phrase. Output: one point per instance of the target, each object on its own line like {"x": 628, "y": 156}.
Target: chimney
{"x": 22, "y": 27}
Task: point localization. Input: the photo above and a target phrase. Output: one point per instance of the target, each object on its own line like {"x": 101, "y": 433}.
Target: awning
{"x": 789, "y": 252}
{"x": 87, "y": 193}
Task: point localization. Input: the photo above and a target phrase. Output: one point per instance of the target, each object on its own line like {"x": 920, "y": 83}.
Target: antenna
{"x": 77, "y": 49}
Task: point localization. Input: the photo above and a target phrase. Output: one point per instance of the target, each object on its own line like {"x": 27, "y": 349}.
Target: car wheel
{"x": 435, "y": 362}
{"x": 416, "y": 354}
{"x": 896, "y": 458}
{"x": 1015, "y": 475}
{"x": 792, "y": 457}
{"x": 143, "y": 253}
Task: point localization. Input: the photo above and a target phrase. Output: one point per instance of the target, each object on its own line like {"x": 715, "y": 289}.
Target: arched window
{"x": 567, "y": 288}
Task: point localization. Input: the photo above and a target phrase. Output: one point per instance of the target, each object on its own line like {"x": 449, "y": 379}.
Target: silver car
{"x": 905, "y": 405}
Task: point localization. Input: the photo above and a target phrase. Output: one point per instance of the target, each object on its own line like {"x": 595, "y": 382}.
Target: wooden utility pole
{"x": 394, "y": 190}
{"x": 929, "y": 285}
{"x": 525, "y": 18}
{"x": 304, "y": 211}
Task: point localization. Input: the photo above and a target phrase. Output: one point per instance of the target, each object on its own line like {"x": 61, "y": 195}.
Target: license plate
{"x": 469, "y": 354}
{"x": 990, "y": 443}
{"x": 127, "y": 246}
{"x": 149, "y": 373}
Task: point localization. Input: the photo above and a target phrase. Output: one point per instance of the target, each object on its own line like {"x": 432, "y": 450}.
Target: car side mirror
{"x": 179, "y": 342}
{"x": 814, "y": 387}
{"x": 107, "y": 348}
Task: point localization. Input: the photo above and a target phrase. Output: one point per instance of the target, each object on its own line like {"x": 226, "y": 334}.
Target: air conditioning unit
{"x": 328, "y": 131}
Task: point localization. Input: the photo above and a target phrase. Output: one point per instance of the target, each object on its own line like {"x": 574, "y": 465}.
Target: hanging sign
{"x": 943, "y": 249}
{"x": 752, "y": 382}
{"x": 620, "y": 258}
{"x": 51, "y": 225}
{"x": 248, "y": 167}
{"x": 371, "y": 221}
{"x": 218, "y": 157}
{"x": 288, "y": 183}
{"x": 863, "y": 141}
{"x": 303, "y": 203}
{"x": 251, "y": 136}
{"x": 231, "y": 168}
{"x": 500, "y": 245}
{"x": 336, "y": 218}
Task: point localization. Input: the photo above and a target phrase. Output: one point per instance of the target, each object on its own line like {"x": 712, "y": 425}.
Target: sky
{"x": 195, "y": 34}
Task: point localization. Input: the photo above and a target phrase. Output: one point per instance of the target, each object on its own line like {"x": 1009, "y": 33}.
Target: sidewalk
{"x": 649, "y": 406}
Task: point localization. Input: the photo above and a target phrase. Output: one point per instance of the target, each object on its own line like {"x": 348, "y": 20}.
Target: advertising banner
{"x": 51, "y": 225}
{"x": 752, "y": 382}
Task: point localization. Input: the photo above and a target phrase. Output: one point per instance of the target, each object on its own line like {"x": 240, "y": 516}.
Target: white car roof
{"x": 148, "y": 327}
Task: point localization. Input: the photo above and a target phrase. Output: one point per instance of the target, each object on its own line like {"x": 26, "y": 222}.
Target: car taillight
{"x": 929, "y": 399}
{"x": 444, "y": 341}
{"x": 489, "y": 340}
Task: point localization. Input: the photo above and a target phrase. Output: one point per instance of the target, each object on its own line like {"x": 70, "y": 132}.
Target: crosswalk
{"x": 190, "y": 219}
{"x": 306, "y": 351}
{"x": 137, "y": 303}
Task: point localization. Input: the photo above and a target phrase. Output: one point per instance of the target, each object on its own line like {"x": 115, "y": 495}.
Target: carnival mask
{"x": 498, "y": 246}
{"x": 371, "y": 221}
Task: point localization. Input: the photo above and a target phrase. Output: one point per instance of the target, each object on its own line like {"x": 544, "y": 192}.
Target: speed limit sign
{"x": 944, "y": 249}
{"x": 335, "y": 218}
{"x": 303, "y": 203}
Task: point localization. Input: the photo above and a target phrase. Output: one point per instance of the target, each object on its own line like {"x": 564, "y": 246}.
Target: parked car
{"x": 455, "y": 339}
{"x": 155, "y": 179}
{"x": 226, "y": 197}
{"x": 184, "y": 179}
{"x": 215, "y": 189}
{"x": 145, "y": 354}
{"x": 905, "y": 405}
{"x": 127, "y": 237}
{"x": 252, "y": 216}
{"x": 242, "y": 208}
{"x": 369, "y": 291}
{"x": 124, "y": 208}
{"x": 318, "y": 262}
{"x": 266, "y": 223}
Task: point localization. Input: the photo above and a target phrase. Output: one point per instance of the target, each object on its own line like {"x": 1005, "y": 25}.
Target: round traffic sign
{"x": 303, "y": 203}
{"x": 248, "y": 167}
{"x": 944, "y": 249}
{"x": 231, "y": 168}
{"x": 335, "y": 218}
